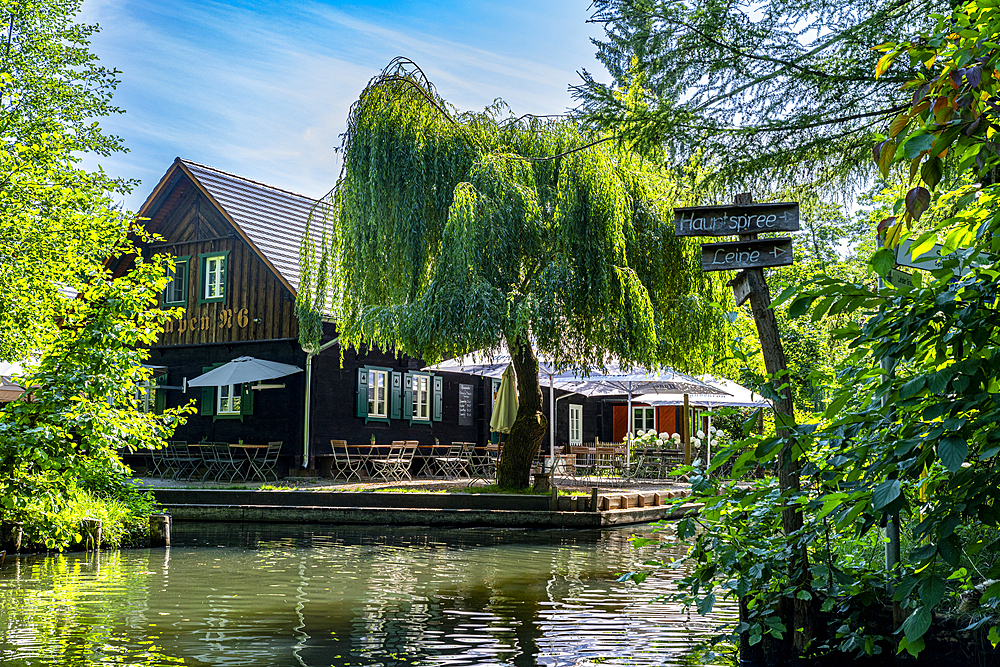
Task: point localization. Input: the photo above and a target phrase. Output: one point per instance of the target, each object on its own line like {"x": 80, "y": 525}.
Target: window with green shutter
{"x": 374, "y": 393}
{"x": 212, "y": 278}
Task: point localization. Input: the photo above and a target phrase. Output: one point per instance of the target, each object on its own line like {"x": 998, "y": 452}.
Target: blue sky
{"x": 262, "y": 89}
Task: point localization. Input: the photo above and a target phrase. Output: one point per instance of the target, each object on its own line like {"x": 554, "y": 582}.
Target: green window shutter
{"x": 246, "y": 399}
{"x": 407, "y": 396}
{"x": 437, "y": 398}
{"x": 160, "y": 395}
{"x": 362, "y": 392}
{"x": 207, "y": 406}
{"x": 395, "y": 395}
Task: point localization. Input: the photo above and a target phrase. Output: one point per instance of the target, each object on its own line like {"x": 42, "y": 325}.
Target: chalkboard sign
{"x": 465, "y": 404}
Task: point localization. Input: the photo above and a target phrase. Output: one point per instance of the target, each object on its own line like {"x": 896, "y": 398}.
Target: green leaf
{"x": 917, "y": 624}
{"x": 800, "y": 306}
{"x": 882, "y": 261}
{"x": 932, "y": 590}
{"x": 952, "y": 451}
{"x": 913, "y": 387}
{"x": 915, "y": 144}
{"x": 930, "y": 172}
{"x": 885, "y": 493}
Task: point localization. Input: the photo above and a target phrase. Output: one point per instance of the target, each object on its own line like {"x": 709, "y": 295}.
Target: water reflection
{"x": 279, "y": 595}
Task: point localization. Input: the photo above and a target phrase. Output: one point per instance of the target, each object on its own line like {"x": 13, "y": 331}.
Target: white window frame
{"x": 229, "y": 399}
{"x": 145, "y": 396}
{"x": 643, "y": 418}
{"x": 575, "y": 424}
{"x": 421, "y": 398}
{"x": 218, "y": 273}
{"x": 172, "y": 286}
{"x": 373, "y": 398}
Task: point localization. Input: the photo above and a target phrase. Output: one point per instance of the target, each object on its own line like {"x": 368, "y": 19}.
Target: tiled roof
{"x": 274, "y": 220}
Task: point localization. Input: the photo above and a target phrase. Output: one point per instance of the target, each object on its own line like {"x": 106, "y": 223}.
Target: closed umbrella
{"x": 505, "y": 407}
{"x": 241, "y": 370}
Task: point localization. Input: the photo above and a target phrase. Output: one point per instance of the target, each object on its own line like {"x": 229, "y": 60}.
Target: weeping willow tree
{"x": 452, "y": 232}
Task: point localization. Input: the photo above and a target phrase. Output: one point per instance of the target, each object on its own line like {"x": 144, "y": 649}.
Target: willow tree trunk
{"x": 528, "y": 430}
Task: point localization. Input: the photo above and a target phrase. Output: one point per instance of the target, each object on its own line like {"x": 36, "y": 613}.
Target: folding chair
{"x": 267, "y": 465}
{"x": 482, "y": 465}
{"x": 387, "y": 468}
{"x": 156, "y": 461}
{"x": 451, "y": 463}
{"x": 226, "y": 465}
{"x": 344, "y": 466}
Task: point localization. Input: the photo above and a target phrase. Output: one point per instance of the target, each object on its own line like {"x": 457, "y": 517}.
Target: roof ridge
{"x": 249, "y": 180}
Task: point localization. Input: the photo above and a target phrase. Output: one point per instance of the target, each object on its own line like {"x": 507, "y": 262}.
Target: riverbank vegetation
{"x": 77, "y": 329}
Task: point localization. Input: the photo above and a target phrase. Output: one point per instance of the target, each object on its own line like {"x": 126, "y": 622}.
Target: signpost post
{"x": 745, "y": 220}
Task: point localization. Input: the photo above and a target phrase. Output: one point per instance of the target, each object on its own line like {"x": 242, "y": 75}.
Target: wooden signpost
{"x": 746, "y": 254}
{"x": 745, "y": 220}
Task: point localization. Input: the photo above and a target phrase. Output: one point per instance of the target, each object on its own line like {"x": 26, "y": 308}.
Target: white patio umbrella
{"x": 616, "y": 381}
{"x": 241, "y": 370}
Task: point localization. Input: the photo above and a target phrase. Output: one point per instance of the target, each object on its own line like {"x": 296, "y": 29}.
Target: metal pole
{"x": 552, "y": 432}
{"x": 892, "y": 521}
{"x": 305, "y": 425}
{"x": 686, "y": 429}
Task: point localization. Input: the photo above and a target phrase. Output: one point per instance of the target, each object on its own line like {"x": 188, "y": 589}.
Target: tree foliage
{"x": 912, "y": 432}
{"x": 782, "y": 91}
{"x": 453, "y": 232}
{"x": 56, "y": 222}
{"x": 85, "y": 330}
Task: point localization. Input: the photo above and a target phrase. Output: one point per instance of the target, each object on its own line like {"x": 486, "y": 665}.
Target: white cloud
{"x": 267, "y": 95}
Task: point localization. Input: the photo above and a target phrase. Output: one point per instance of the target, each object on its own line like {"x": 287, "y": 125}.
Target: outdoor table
{"x": 250, "y": 452}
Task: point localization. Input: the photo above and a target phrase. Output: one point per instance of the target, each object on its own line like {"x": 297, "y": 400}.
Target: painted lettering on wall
{"x": 224, "y": 320}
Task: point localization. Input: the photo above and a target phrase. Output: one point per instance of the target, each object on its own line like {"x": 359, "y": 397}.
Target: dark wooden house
{"x": 235, "y": 244}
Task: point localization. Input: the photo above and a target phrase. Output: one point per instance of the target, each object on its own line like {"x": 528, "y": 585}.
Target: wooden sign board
{"x": 746, "y": 254}
{"x": 735, "y": 220}
{"x": 741, "y": 288}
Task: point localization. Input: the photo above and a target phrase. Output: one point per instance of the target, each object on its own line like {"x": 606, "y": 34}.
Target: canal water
{"x": 275, "y": 595}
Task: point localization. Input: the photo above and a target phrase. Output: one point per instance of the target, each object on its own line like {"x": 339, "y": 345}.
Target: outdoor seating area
{"x": 215, "y": 461}
{"x": 407, "y": 460}
{"x": 610, "y": 463}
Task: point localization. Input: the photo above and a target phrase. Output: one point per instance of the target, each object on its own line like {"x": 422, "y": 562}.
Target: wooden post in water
{"x": 159, "y": 530}
{"x": 91, "y": 533}
{"x": 11, "y": 533}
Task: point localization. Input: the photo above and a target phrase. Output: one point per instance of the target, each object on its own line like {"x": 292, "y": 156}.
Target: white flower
{"x": 696, "y": 441}
{"x": 712, "y": 430}
{"x": 664, "y": 436}
{"x": 676, "y": 437}
{"x": 700, "y": 433}
{"x": 640, "y": 433}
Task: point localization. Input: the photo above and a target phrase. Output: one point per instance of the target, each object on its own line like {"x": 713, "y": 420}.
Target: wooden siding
{"x": 256, "y": 306}
{"x": 334, "y": 403}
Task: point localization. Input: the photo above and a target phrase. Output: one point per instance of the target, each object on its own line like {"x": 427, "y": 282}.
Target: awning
{"x": 241, "y": 370}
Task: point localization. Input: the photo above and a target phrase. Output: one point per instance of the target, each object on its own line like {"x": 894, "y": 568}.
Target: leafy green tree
{"x": 453, "y": 232}
{"x": 59, "y": 304}
{"x": 56, "y": 222}
{"x": 783, "y": 93}
{"x": 911, "y": 434}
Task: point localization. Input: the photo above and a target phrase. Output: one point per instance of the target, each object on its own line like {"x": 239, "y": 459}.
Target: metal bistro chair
{"x": 345, "y": 467}
{"x": 157, "y": 462}
{"x": 386, "y": 468}
{"x": 186, "y": 463}
{"x": 453, "y": 463}
{"x": 267, "y": 465}
{"x": 226, "y": 465}
{"x": 482, "y": 465}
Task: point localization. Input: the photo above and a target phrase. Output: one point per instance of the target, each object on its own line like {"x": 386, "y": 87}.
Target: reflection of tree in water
{"x": 310, "y": 596}
{"x": 56, "y": 616}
